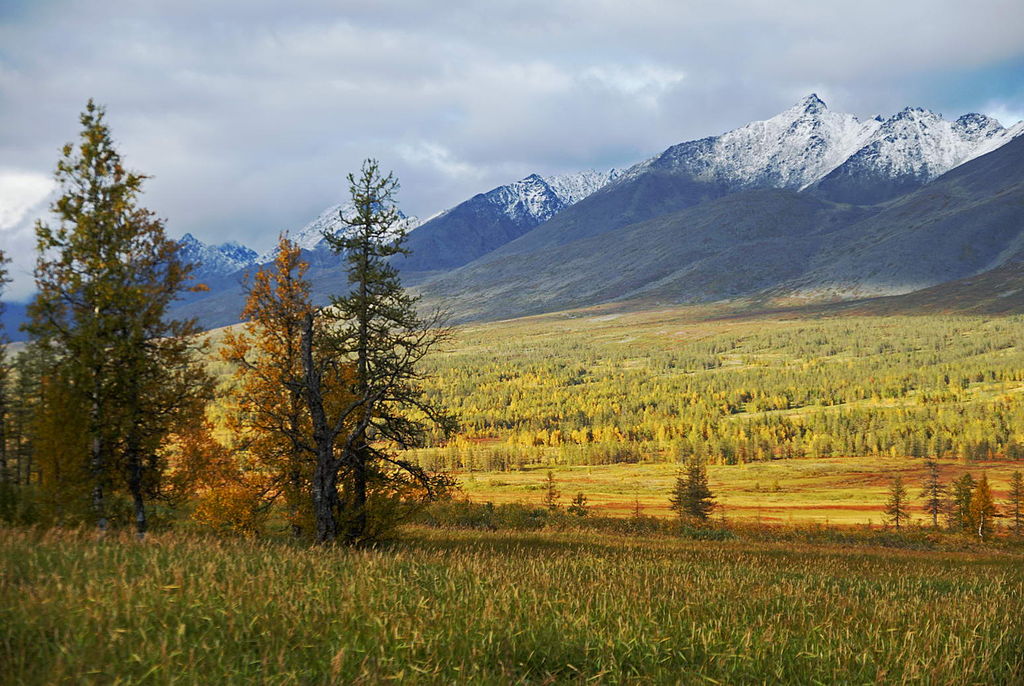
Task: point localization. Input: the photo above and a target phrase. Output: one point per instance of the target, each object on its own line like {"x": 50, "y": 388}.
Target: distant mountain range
{"x": 810, "y": 203}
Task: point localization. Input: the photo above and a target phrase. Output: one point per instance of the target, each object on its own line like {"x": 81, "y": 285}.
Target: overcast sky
{"x": 248, "y": 114}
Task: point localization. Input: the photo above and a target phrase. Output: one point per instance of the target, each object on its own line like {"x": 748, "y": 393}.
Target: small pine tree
{"x": 578, "y": 506}
{"x": 692, "y": 498}
{"x": 983, "y": 508}
{"x": 896, "y": 506}
{"x": 934, "y": 492}
{"x": 960, "y": 514}
{"x": 551, "y": 493}
{"x": 1015, "y": 501}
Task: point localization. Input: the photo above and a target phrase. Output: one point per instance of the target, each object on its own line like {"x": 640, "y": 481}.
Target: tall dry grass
{"x": 501, "y": 607}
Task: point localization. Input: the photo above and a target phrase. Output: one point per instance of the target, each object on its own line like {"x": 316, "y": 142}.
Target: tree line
{"x": 966, "y": 504}
{"x": 105, "y": 413}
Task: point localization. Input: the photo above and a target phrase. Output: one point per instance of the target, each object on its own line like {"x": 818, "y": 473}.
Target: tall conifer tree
{"x": 106, "y": 274}
{"x": 934, "y": 492}
{"x": 376, "y": 330}
{"x": 1015, "y": 502}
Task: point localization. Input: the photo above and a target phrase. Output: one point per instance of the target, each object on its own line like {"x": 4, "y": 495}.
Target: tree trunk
{"x": 138, "y": 499}
{"x": 357, "y": 522}
{"x": 293, "y": 506}
{"x": 325, "y": 474}
{"x": 325, "y": 495}
{"x": 96, "y": 467}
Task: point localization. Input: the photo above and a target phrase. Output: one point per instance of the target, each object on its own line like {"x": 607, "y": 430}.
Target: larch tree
{"x": 960, "y": 512}
{"x": 105, "y": 275}
{"x": 934, "y": 492}
{"x": 551, "y": 493}
{"x": 376, "y": 331}
{"x": 896, "y": 506}
{"x": 983, "y": 508}
{"x": 1015, "y": 502}
{"x": 692, "y": 498}
{"x": 269, "y": 420}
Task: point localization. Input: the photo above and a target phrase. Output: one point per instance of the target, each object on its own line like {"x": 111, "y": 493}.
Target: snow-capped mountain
{"x": 908, "y": 149}
{"x": 846, "y": 159}
{"x": 571, "y": 188}
{"x": 790, "y": 150}
{"x": 489, "y": 220}
{"x": 535, "y": 199}
{"x": 216, "y": 260}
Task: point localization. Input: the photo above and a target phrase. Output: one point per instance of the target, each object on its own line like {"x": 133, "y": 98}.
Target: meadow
{"x": 447, "y": 606}
{"x": 826, "y": 491}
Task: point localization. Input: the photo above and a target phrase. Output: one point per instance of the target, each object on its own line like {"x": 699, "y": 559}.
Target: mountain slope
{"x": 752, "y": 243}
{"x": 967, "y": 221}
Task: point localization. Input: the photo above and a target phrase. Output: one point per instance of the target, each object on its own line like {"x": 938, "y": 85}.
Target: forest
{"x": 600, "y": 390}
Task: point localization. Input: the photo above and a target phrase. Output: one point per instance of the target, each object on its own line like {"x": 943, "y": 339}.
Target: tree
{"x": 578, "y": 506}
{"x": 983, "y": 508}
{"x": 268, "y": 420}
{"x": 105, "y": 275}
{"x": 934, "y": 492}
{"x": 375, "y": 331}
{"x": 691, "y": 497}
{"x": 960, "y": 511}
{"x": 551, "y": 493}
{"x": 1015, "y": 499}
{"x": 896, "y": 505}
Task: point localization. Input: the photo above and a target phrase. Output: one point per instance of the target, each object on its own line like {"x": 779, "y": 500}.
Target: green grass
{"x": 506, "y": 607}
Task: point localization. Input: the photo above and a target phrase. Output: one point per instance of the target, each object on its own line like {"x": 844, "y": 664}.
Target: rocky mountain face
{"x": 216, "y": 260}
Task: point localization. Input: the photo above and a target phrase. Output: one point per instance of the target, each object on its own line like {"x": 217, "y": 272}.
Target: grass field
{"x": 823, "y": 491}
{"x": 506, "y": 607}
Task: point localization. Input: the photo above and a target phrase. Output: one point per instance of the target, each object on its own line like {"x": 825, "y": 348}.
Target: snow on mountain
{"x": 790, "y": 150}
{"x": 997, "y": 140}
{"x": 808, "y": 142}
{"x": 311, "y": 236}
{"x": 920, "y": 143}
{"x": 215, "y": 260}
{"x": 571, "y": 188}
{"x": 535, "y": 198}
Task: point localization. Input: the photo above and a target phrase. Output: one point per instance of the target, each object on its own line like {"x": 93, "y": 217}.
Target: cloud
{"x": 1007, "y": 114}
{"x": 645, "y": 82}
{"x": 24, "y": 198}
{"x": 439, "y": 159}
{"x": 20, "y": 192}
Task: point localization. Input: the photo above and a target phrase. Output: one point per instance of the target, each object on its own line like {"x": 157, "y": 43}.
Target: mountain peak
{"x": 812, "y": 104}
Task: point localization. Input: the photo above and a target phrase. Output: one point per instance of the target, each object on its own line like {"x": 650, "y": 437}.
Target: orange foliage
{"x": 224, "y": 496}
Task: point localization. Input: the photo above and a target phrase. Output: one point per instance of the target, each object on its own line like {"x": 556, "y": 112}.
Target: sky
{"x": 248, "y": 114}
